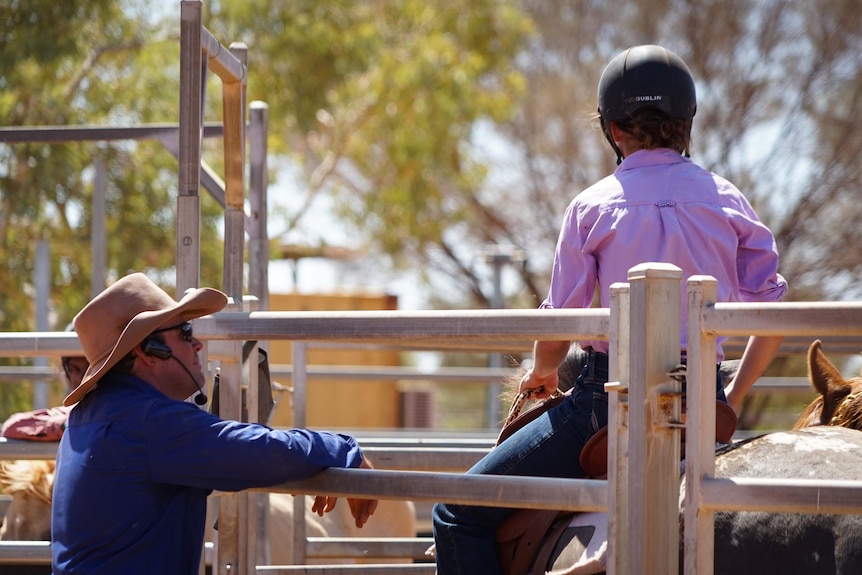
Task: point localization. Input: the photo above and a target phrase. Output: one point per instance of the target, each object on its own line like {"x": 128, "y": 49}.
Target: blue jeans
{"x": 547, "y": 447}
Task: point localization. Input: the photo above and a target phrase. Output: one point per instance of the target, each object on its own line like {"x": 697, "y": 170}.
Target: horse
{"x": 393, "y": 518}
{"x": 825, "y": 443}
{"x": 28, "y": 517}
{"x": 29, "y": 483}
{"x": 790, "y": 543}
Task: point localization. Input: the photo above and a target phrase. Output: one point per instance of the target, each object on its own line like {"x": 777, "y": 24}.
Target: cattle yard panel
{"x": 523, "y": 492}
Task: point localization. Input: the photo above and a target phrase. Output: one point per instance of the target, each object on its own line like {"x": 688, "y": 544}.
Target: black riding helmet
{"x": 647, "y": 76}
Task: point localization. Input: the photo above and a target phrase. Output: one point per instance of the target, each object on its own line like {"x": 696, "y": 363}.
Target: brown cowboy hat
{"x": 123, "y": 315}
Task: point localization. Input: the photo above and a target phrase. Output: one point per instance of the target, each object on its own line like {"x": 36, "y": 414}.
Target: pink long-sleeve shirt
{"x": 660, "y": 207}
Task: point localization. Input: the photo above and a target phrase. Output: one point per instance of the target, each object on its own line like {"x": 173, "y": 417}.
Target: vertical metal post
{"x": 496, "y": 359}
{"x": 98, "y": 235}
{"x": 42, "y": 281}
{"x": 233, "y": 98}
{"x": 700, "y": 421}
{"x": 258, "y": 271}
{"x": 251, "y": 501}
{"x": 652, "y": 540}
{"x": 191, "y": 132}
{"x": 618, "y": 427}
{"x": 299, "y": 354}
{"x": 258, "y": 242}
{"x": 498, "y": 256}
{"x": 231, "y": 557}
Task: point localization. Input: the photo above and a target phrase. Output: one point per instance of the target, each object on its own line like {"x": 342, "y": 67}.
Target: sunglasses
{"x": 185, "y": 330}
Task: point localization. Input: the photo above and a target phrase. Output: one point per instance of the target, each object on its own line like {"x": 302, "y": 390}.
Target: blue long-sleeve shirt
{"x": 134, "y": 469}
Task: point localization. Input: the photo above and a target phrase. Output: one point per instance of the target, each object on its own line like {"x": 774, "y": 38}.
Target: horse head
{"x": 840, "y": 401}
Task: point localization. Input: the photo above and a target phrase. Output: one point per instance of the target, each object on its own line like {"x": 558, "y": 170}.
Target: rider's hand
{"x": 542, "y": 386}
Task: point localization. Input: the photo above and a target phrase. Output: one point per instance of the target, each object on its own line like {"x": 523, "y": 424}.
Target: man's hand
{"x": 362, "y": 509}
{"x": 323, "y": 504}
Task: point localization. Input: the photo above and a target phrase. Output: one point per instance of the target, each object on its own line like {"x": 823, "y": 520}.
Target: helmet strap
{"x": 606, "y": 128}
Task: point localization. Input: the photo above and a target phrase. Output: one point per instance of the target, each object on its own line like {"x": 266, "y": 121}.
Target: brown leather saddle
{"x": 594, "y": 455}
{"x": 526, "y": 541}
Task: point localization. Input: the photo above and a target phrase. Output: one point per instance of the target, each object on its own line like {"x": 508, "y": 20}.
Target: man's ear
{"x": 142, "y": 358}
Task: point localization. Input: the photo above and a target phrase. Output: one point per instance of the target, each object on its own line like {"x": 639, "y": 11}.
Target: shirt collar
{"x": 656, "y": 157}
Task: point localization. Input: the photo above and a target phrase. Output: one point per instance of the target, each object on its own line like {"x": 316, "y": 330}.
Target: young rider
{"x": 658, "y": 206}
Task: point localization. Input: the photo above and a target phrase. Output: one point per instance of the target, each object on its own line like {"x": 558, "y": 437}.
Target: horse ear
{"x": 826, "y": 379}
{"x": 821, "y": 373}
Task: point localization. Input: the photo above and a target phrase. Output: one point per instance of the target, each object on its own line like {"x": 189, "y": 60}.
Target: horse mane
{"x": 35, "y": 478}
{"x": 849, "y": 412}
{"x": 810, "y": 416}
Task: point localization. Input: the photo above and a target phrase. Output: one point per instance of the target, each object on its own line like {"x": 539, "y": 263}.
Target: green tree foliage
{"x": 377, "y": 101}
{"x": 93, "y": 62}
{"x": 382, "y": 103}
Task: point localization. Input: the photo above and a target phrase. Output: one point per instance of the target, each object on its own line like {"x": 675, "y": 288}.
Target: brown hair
{"x": 125, "y": 365}
{"x": 655, "y": 129}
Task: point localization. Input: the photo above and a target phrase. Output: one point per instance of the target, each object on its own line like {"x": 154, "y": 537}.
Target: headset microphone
{"x": 201, "y": 397}
{"x": 162, "y": 351}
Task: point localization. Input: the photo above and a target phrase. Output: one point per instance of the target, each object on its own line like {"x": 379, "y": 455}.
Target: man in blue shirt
{"x": 137, "y": 462}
